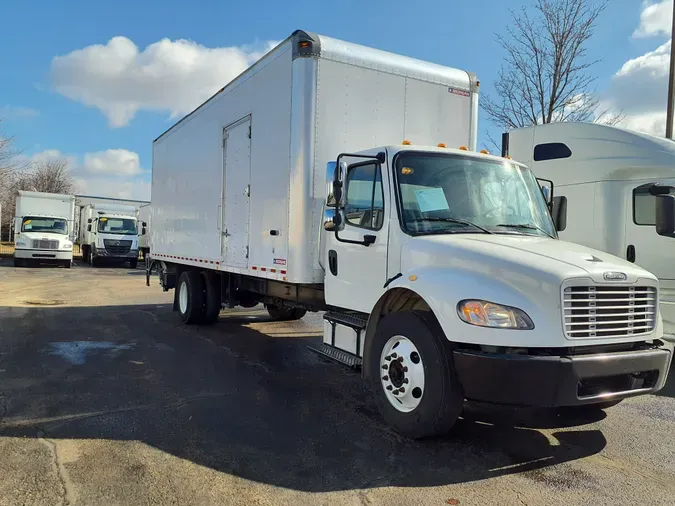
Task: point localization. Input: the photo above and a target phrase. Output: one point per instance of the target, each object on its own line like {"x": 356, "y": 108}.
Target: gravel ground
{"x": 105, "y": 398}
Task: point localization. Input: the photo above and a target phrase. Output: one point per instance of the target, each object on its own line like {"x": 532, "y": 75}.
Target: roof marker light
{"x": 463, "y": 148}
{"x": 406, "y": 142}
{"x": 484, "y": 152}
{"x": 442, "y": 145}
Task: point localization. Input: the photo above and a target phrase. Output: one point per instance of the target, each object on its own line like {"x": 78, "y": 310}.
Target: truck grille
{"x": 45, "y": 244}
{"x": 609, "y": 311}
{"x": 117, "y": 248}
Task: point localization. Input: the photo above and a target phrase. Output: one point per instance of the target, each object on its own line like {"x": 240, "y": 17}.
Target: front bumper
{"x": 551, "y": 381}
{"x": 46, "y": 255}
{"x": 104, "y": 253}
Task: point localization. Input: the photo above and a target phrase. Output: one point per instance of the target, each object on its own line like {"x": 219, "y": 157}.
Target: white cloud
{"x": 175, "y": 76}
{"x": 655, "y": 19}
{"x": 137, "y": 189}
{"x": 113, "y": 161}
{"x": 639, "y": 89}
{"x": 110, "y": 173}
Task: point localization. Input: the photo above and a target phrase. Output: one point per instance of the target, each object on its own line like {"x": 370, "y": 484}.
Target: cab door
{"x": 355, "y": 271}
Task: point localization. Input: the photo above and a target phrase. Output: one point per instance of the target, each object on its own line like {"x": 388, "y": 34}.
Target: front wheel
{"x": 133, "y": 263}
{"x": 18, "y": 262}
{"x": 67, "y": 264}
{"x": 411, "y": 373}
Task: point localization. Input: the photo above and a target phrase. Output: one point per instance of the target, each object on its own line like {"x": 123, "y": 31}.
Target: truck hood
{"x": 541, "y": 259}
{"x": 29, "y": 236}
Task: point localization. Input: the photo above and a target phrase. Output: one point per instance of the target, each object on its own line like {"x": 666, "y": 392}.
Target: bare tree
{"x": 50, "y": 176}
{"x": 545, "y": 77}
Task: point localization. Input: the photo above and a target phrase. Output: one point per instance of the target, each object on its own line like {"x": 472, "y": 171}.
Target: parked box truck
{"x": 320, "y": 180}
{"x": 612, "y": 180}
{"x": 43, "y": 228}
{"x": 109, "y": 233}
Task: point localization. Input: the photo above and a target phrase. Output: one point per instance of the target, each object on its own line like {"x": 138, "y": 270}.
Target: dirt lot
{"x": 106, "y": 399}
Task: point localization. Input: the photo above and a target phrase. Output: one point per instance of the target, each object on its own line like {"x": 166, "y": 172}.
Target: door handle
{"x": 630, "y": 253}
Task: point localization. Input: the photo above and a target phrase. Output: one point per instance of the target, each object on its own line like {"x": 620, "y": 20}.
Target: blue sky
{"x": 91, "y": 107}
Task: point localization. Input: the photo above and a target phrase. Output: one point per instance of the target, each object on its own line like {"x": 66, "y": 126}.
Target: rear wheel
{"x": 411, "y": 374}
{"x": 212, "y": 299}
{"x": 285, "y": 314}
{"x": 191, "y": 297}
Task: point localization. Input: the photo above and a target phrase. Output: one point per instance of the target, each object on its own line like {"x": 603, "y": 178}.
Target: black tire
{"x": 212, "y": 297}
{"x": 85, "y": 253}
{"x": 67, "y": 264}
{"x": 192, "y": 312}
{"x": 442, "y": 398}
{"x": 18, "y": 262}
{"x": 133, "y": 263}
{"x": 283, "y": 314}
{"x": 93, "y": 259}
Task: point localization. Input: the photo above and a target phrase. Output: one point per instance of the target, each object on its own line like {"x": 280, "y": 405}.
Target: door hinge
{"x": 246, "y": 252}
{"x": 249, "y": 131}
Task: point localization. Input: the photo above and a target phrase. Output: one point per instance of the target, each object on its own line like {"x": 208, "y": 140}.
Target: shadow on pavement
{"x": 251, "y": 402}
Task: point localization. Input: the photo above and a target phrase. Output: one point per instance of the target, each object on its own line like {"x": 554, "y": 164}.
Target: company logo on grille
{"x": 615, "y": 276}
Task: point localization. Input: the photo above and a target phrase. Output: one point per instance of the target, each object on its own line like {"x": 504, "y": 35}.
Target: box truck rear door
{"x": 236, "y": 192}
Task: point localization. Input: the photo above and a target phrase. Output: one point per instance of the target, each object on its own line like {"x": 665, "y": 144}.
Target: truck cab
{"x": 110, "y": 235}
{"x": 454, "y": 261}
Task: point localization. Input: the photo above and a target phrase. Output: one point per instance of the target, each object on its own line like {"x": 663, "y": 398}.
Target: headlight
{"x": 20, "y": 244}
{"x": 489, "y": 314}
{"x": 67, "y": 245}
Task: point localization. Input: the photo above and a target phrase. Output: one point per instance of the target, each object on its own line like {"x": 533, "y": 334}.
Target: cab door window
{"x": 364, "y": 201}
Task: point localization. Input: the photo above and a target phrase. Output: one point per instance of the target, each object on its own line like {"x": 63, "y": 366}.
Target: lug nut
{"x": 388, "y": 357}
{"x": 402, "y": 390}
{"x": 405, "y": 368}
{"x": 395, "y": 392}
{"x": 385, "y": 367}
{"x": 385, "y": 378}
{"x": 400, "y": 359}
{"x": 389, "y": 387}
{"x": 394, "y": 355}
{"x": 405, "y": 380}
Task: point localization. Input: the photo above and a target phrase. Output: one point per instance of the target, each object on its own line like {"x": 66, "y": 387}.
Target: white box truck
{"x": 145, "y": 220}
{"x": 319, "y": 180}
{"x": 43, "y": 228}
{"x": 109, "y": 233}
{"x": 615, "y": 182}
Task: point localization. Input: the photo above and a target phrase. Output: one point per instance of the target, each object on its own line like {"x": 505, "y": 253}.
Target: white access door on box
{"x": 236, "y": 192}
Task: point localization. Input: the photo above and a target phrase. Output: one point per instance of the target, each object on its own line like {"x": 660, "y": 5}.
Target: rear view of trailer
{"x": 238, "y": 184}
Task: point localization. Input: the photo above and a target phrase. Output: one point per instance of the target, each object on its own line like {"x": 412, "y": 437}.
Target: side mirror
{"x": 143, "y": 231}
{"x": 144, "y": 224}
{"x": 89, "y": 220}
{"x": 335, "y": 176}
{"x": 665, "y": 215}
{"x": 89, "y": 227}
{"x": 559, "y": 213}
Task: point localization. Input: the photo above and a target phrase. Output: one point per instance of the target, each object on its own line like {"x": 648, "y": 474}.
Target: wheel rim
{"x": 402, "y": 374}
{"x": 183, "y": 298}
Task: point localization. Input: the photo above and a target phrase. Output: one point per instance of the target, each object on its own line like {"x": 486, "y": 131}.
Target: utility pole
{"x": 671, "y": 83}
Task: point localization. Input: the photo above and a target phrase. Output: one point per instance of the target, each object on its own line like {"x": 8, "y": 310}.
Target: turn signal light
{"x": 406, "y": 143}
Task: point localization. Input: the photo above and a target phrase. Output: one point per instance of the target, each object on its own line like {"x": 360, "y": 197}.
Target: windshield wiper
{"x": 455, "y": 220}
{"x": 527, "y": 226}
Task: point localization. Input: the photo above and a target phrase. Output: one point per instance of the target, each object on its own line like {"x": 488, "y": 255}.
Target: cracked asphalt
{"x": 105, "y": 398}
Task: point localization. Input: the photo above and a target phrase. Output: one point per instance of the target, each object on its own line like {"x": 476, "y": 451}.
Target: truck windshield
{"x": 447, "y": 193}
{"x": 121, "y": 226}
{"x": 44, "y": 225}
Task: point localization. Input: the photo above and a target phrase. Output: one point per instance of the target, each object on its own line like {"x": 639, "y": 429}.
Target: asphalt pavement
{"x": 106, "y": 398}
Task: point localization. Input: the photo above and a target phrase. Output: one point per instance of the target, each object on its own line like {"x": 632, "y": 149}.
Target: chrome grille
{"x": 45, "y": 244}
{"x": 609, "y": 311}
{"x": 117, "y": 248}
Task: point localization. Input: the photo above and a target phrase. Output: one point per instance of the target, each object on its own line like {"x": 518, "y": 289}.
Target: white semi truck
{"x": 320, "y": 180}
{"x": 43, "y": 228}
{"x": 615, "y": 182}
{"x": 109, "y": 233}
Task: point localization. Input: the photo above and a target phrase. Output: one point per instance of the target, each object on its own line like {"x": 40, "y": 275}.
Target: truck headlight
{"x": 67, "y": 245}
{"x": 488, "y": 314}
{"x": 20, "y": 244}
